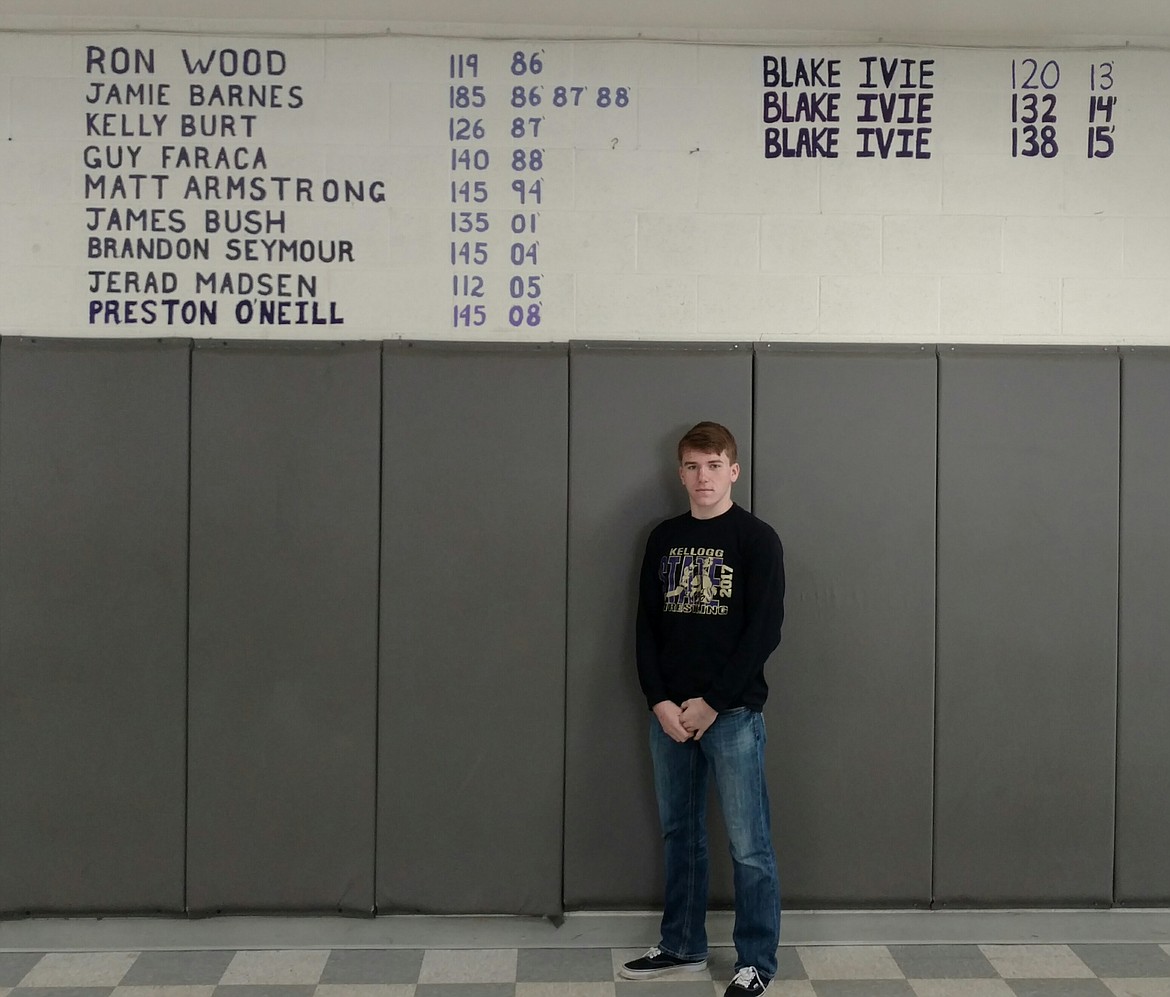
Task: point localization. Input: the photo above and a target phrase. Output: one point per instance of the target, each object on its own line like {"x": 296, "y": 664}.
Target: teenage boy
{"x": 710, "y": 606}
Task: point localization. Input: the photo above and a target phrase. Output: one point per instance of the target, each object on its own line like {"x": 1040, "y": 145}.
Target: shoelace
{"x": 747, "y": 977}
{"x": 653, "y": 953}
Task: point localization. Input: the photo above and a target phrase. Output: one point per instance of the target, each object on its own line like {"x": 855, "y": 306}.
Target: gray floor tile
{"x": 1142, "y": 987}
{"x": 565, "y": 989}
{"x": 942, "y": 962}
{"x": 788, "y": 965}
{"x": 1059, "y": 988}
{"x": 163, "y": 969}
{"x": 1124, "y": 961}
{"x": 265, "y": 990}
{"x": 465, "y": 990}
{"x": 61, "y": 992}
{"x": 14, "y": 966}
{"x": 441, "y": 966}
{"x": 564, "y": 966}
{"x": 671, "y": 987}
{"x": 373, "y": 966}
{"x": 862, "y": 988}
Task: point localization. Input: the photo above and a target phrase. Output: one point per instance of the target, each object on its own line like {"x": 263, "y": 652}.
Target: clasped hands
{"x": 681, "y": 723}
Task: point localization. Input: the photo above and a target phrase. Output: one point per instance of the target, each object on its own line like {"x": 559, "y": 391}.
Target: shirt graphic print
{"x": 695, "y": 580}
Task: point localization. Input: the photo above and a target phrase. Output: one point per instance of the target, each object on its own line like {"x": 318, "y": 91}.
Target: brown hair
{"x": 708, "y": 437}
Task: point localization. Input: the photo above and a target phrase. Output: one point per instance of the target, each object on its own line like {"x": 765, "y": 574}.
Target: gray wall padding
{"x": 283, "y": 646}
{"x": 394, "y": 622}
{"x": 93, "y": 597}
{"x": 845, "y": 471}
{"x": 473, "y": 630}
{"x": 1143, "y": 765}
{"x": 629, "y": 408}
{"x": 1027, "y": 626}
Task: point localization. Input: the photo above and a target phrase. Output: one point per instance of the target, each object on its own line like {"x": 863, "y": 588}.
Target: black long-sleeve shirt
{"x": 710, "y": 608}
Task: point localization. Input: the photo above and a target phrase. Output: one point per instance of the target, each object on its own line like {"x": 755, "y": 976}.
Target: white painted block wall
{"x": 661, "y": 220}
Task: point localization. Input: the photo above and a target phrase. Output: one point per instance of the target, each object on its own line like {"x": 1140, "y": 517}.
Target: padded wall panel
{"x": 1143, "y": 764}
{"x": 629, "y": 408}
{"x": 283, "y": 646}
{"x": 93, "y": 591}
{"x": 1027, "y": 626}
{"x": 845, "y": 471}
{"x": 472, "y": 662}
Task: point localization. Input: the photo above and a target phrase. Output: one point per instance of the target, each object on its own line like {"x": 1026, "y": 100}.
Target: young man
{"x": 710, "y": 606}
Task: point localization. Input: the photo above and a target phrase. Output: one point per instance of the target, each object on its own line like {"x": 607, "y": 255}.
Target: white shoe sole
{"x": 656, "y": 974}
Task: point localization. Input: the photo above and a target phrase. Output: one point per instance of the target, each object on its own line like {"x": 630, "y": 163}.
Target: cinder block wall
{"x": 292, "y": 615}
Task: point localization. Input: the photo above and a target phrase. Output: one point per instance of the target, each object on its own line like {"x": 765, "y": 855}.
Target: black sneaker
{"x": 747, "y": 982}
{"x": 657, "y": 963}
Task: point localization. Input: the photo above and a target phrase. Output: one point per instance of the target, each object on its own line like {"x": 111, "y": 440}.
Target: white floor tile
{"x": 80, "y": 969}
{"x": 1036, "y": 962}
{"x": 282, "y": 967}
{"x": 468, "y": 966}
{"x": 961, "y": 988}
{"x": 849, "y": 962}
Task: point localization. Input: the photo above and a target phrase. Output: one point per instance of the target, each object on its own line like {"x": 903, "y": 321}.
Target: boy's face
{"x": 708, "y": 478}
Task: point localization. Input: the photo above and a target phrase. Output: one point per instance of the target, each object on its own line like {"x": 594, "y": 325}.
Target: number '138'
{"x": 1031, "y": 140}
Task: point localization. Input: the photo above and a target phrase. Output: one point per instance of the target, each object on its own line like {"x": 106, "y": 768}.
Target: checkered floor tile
{"x": 1111, "y": 970}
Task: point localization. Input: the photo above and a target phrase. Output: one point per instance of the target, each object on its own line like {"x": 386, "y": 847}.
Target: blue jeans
{"x": 733, "y": 747}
